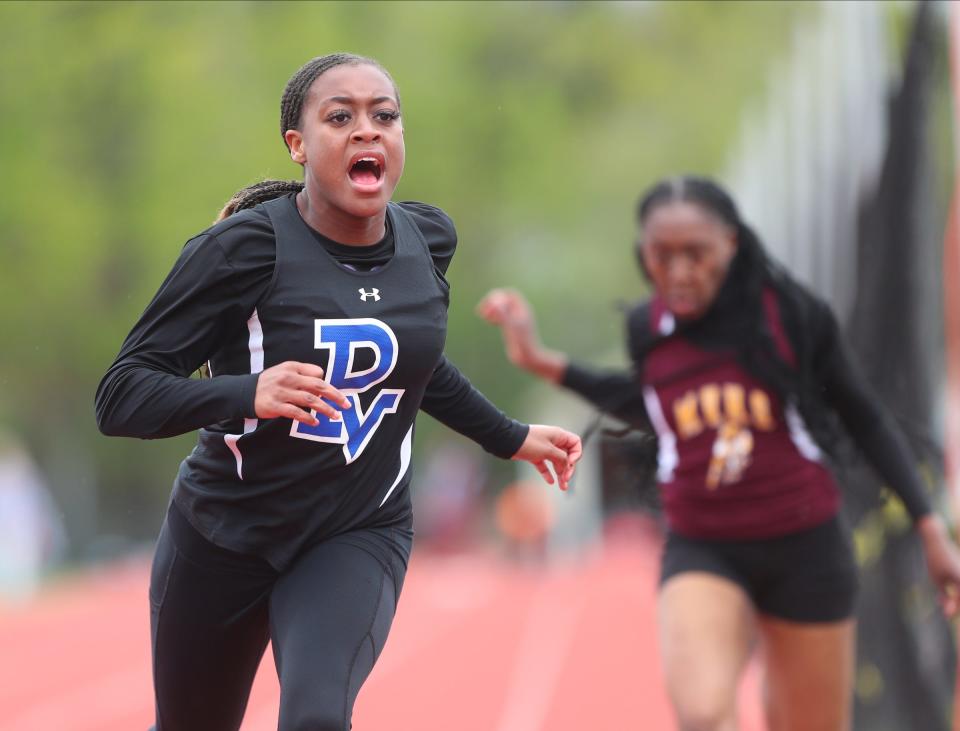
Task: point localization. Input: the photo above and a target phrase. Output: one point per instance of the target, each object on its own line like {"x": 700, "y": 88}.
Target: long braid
{"x": 257, "y": 193}
{"x": 252, "y": 195}
{"x": 737, "y": 317}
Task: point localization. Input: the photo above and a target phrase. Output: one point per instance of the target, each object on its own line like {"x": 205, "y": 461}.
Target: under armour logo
{"x": 375, "y": 293}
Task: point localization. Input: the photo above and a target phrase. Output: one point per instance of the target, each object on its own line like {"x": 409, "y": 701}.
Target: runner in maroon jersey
{"x": 736, "y": 368}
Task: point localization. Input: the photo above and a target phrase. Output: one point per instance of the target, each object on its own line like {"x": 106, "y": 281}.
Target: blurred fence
{"x": 839, "y": 172}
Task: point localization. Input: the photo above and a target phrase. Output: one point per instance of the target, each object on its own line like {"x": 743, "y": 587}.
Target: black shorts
{"x": 810, "y": 576}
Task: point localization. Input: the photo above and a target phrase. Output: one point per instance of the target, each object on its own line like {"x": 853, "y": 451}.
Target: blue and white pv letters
{"x": 344, "y": 339}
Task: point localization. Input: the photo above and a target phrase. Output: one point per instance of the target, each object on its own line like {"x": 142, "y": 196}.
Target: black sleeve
{"x": 148, "y": 392}
{"x": 613, "y": 392}
{"x": 453, "y": 401}
{"x": 450, "y": 398}
{"x": 616, "y": 392}
{"x": 870, "y": 425}
{"x": 438, "y": 231}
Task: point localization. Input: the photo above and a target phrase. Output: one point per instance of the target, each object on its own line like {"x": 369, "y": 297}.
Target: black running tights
{"x": 213, "y": 612}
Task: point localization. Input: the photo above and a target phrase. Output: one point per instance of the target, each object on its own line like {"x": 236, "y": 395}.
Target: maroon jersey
{"x": 734, "y": 461}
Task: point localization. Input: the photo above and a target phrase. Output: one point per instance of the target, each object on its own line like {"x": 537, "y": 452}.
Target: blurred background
{"x": 536, "y": 126}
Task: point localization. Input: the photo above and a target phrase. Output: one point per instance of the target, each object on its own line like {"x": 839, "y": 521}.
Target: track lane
{"x": 478, "y": 644}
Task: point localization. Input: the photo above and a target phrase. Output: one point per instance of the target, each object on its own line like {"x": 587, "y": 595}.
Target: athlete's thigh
{"x": 809, "y": 673}
{"x": 706, "y": 636}
{"x": 805, "y": 606}
{"x": 209, "y": 628}
{"x": 330, "y": 616}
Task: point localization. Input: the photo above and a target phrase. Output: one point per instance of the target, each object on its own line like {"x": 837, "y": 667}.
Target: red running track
{"x": 477, "y": 645}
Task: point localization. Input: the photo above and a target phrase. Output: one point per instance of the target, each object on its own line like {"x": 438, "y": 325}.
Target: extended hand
{"x": 551, "y": 445}
{"x": 291, "y": 389}
{"x": 510, "y": 311}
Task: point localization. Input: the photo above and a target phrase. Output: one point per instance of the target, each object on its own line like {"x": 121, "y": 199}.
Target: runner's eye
{"x": 387, "y": 115}
{"x": 339, "y": 116}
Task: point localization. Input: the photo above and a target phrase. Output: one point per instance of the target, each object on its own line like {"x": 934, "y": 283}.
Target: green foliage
{"x": 535, "y": 125}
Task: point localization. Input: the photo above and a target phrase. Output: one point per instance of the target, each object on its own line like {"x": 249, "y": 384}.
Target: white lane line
{"x": 548, "y": 634}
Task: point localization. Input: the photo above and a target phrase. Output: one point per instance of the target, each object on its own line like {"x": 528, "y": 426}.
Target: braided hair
{"x": 291, "y": 110}
{"x": 257, "y": 193}
{"x": 298, "y": 87}
{"x": 736, "y": 318}
{"x": 252, "y": 195}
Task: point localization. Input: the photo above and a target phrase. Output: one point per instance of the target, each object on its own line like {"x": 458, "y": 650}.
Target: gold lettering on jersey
{"x": 735, "y": 413}
{"x": 734, "y": 404}
{"x": 686, "y": 416}
{"x": 761, "y": 411}
{"x": 710, "y": 405}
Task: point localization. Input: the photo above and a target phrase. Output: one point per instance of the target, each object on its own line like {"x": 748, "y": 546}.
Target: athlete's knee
{"x": 704, "y": 700}
{"x": 314, "y": 707}
{"x": 707, "y": 715}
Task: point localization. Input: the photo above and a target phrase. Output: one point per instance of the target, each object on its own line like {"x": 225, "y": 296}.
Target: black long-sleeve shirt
{"x": 207, "y": 298}
{"x": 260, "y": 288}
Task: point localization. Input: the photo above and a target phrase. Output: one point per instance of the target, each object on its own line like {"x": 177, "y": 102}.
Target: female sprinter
{"x": 321, "y": 315}
{"x": 735, "y": 367}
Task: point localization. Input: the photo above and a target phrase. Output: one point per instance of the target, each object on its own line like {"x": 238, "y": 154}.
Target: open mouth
{"x": 366, "y": 170}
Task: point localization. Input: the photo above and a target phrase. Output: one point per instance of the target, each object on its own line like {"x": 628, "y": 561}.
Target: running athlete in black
{"x": 321, "y": 317}
{"x": 735, "y": 367}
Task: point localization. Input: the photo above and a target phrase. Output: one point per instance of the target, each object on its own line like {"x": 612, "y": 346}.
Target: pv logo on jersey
{"x": 344, "y": 339}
